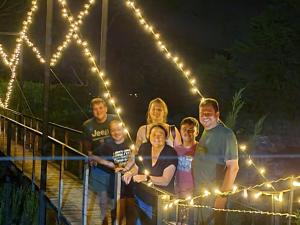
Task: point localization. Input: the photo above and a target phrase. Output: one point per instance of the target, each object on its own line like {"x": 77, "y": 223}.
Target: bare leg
{"x": 103, "y": 204}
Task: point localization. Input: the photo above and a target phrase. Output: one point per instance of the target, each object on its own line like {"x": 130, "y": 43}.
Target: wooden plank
{"x": 73, "y": 189}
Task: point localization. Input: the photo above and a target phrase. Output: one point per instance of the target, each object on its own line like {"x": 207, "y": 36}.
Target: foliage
{"x": 259, "y": 126}
{"x": 30, "y": 205}
{"x": 62, "y": 109}
{"x": 237, "y": 104}
{"x": 219, "y": 76}
{"x": 267, "y": 59}
{"x": 19, "y": 203}
{"x": 298, "y": 218}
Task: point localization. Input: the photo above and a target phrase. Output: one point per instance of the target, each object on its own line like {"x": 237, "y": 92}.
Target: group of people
{"x": 169, "y": 158}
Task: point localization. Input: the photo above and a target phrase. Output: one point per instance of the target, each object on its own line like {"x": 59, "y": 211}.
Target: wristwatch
{"x": 147, "y": 178}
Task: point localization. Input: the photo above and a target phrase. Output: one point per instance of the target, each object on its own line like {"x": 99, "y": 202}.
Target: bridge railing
{"x": 18, "y": 130}
{"x": 15, "y": 135}
{"x": 67, "y": 135}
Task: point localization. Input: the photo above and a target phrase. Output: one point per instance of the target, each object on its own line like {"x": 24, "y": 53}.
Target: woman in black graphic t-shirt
{"x": 156, "y": 162}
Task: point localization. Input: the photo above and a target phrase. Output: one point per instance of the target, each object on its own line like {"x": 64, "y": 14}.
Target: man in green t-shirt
{"x": 215, "y": 164}
{"x": 95, "y": 135}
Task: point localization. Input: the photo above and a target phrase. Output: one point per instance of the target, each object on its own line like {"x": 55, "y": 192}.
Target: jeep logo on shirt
{"x": 100, "y": 133}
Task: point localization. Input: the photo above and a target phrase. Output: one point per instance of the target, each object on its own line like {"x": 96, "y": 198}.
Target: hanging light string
{"x": 74, "y": 28}
{"x": 72, "y": 34}
{"x": 278, "y": 195}
{"x": 94, "y": 67}
{"x": 186, "y": 72}
{"x": 172, "y": 57}
{"x": 175, "y": 60}
{"x": 257, "y": 212}
{"x": 173, "y": 202}
{"x": 13, "y": 61}
{"x": 257, "y": 193}
{"x": 4, "y": 56}
{"x": 250, "y": 162}
{"x": 34, "y": 49}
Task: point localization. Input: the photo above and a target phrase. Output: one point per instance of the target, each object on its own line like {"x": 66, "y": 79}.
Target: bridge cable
{"x": 70, "y": 95}
{"x": 25, "y": 99}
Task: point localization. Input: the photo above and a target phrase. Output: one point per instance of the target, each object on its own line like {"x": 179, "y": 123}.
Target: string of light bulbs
{"x": 34, "y": 49}
{"x": 162, "y": 46}
{"x": 257, "y": 212}
{"x": 179, "y": 64}
{"x": 74, "y": 28}
{"x": 13, "y": 61}
{"x": 73, "y": 34}
{"x": 176, "y": 61}
{"x": 94, "y": 67}
{"x": 4, "y": 56}
{"x": 191, "y": 200}
{"x": 278, "y": 195}
{"x": 250, "y": 162}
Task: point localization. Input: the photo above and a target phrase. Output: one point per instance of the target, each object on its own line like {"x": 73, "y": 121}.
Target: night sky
{"x": 196, "y": 30}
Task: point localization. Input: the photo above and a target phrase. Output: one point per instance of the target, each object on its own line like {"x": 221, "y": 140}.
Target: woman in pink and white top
{"x": 184, "y": 182}
{"x": 157, "y": 113}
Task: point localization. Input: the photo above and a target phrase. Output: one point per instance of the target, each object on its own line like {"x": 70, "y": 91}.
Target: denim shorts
{"x": 100, "y": 180}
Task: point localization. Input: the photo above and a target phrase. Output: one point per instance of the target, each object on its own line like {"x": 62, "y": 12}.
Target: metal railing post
{"x": 80, "y": 161}
{"x": 4, "y": 131}
{"x": 16, "y": 140}
{"x": 2, "y": 139}
{"x": 33, "y": 167}
{"x": 117, "y": 197}
{"x": 291, "y": 201}
{"x": 85, "y": 191}
{"x": 30, "y": 135}
{"x": 162, "y": 214}
{"x": 66, "y": 153}
{"x": 53, "y": 145}
{"x": 8, "y": 138}
{"x": 61, "y": 182}
{"x": 0, "y": 125}
{"x": 37, "y": 139}
{"x": 24, "y": 144}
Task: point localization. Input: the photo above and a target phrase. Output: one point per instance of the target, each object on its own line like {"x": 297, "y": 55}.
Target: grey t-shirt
{"x": 215, "y": 147}
{"x": 97, "y": 133}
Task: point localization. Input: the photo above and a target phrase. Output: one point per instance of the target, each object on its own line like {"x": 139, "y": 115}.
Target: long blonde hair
{"x": 165, "y": 108}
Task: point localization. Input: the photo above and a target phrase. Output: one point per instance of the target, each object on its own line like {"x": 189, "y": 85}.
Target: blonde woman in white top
{"x": 157, "y": 113}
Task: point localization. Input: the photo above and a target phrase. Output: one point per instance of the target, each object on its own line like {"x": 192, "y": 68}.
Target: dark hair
{"x": 210, "y": 101}
{"x": 95, "y": 101}
{"x": 161, "y": 126}
{"x": 190, "y": 121}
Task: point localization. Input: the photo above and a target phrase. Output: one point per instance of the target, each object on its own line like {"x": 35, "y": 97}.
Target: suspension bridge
{"x": 52, "y": 156}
